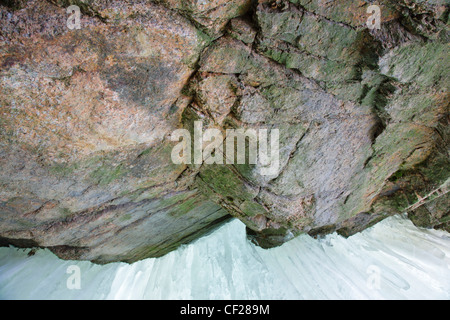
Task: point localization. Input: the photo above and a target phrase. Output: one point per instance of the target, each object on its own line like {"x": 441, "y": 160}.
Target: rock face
{"x": 86, "y": 117}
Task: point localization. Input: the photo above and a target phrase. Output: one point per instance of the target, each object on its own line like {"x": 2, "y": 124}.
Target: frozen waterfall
{"x": 393, "y": 260}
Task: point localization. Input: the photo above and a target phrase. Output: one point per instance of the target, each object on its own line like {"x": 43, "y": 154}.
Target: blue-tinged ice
{"x": 393, "y": 260}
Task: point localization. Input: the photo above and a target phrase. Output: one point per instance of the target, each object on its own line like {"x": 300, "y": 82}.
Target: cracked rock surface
{"x": 86, "y": 118}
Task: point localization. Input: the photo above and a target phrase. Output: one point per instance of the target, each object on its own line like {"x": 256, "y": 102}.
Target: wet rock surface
{"x": 86, "y": 118}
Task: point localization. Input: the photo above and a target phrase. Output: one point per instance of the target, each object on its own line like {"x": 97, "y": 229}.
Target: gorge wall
{"x": 86, "y": 117}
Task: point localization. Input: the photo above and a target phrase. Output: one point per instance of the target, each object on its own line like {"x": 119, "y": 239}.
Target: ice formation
{"x": 393, "y": 260}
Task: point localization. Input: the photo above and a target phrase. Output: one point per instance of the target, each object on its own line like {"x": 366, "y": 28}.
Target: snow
{"x": 392, "y": 260}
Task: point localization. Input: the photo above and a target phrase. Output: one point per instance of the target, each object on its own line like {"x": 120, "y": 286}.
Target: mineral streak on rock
{"x": 86, "y": 118}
